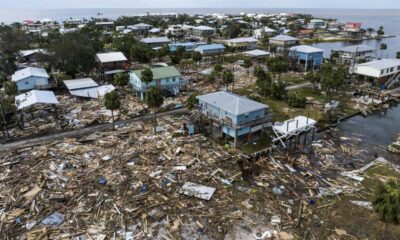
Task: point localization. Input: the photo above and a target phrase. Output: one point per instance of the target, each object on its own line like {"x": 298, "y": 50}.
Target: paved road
{"x": 298, "y": 86}
{"x": 82, "y": 132}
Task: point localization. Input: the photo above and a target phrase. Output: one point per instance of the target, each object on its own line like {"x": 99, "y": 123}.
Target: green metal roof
{"x": 160, "y": 72}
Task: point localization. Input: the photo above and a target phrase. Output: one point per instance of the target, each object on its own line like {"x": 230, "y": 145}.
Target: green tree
{"x": 232, "y": 31}
{"x": 192, "y": 100}
{"x": 382, "y": 47}
{"x": 227, "y": 78}
{"x": 142, "y": 53}
{"x": 264, "y": 83}
{"x": 331, "y": 79}
{"x": 218, "y": 68}
{"x": 398, "y": 55}
{"x": 74, "y": 53}
{"x": 279, "y": 91}
{"x": 278, "y": 65}
{"x": 386, "y": 203}
{"x": 147, "y": 75}
{"x": 296, "y": 100}
{"x": 121, "y": 79}
{"x": 197, "y": 57}
{"x": 112, "y": 103}
{"x": 10, "y": 88}
{"x": 265, "y": 40}
{"x": 247, "y": 63}
{"x": 258, "y": 72}
{"x": 154, "y": 100}
{"x": 380, "y": 32}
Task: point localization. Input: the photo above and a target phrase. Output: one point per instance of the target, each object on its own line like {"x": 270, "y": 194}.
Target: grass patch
{"x": 263, "y": 142}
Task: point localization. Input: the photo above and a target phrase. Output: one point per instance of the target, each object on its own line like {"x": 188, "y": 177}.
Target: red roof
{"x": 305, "y": 31}
{"x": 353, "y": 25}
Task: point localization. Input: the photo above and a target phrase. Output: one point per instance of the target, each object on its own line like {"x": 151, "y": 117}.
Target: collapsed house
{"x": 88, "y": 88}
{"x": 34, "y": 97}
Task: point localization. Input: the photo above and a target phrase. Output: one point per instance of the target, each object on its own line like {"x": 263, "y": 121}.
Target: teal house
{"x": 166, "y": 78}
{"x": 235, "y": 115}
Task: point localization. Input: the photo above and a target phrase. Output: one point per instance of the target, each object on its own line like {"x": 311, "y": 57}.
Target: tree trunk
{"x": 113, "y": 123}
{"x": 155, "y": 121}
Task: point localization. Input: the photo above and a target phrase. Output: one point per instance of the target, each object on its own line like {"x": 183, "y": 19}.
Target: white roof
{"x": 156, "y": 40}
{"x": 381, "y": 64}
{"x": 268, "y": 30}
{"x": 111, "y": 57}
{"x": 34, "y": 97}
{"x": 284, "y": 38}
{"x": 356, "y": 48}
{"x": 232, "y": 103}
{"x": 155, "y": 30}
{"x": 257, "y": 53}
{"x": 80, "y": 83}
{"x": 294, "y": 125}
{"x": 25, "y": 53}
{"x": 204, "y": 28}
{"x": 306, "y": 49}
{"x": 29, "y": 72}
{"x": 241, "y": 40}
{"x": 93, "y": 92}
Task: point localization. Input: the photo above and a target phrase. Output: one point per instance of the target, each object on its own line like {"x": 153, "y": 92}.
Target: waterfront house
{"x": 142, "y": 27}
{"x": 203, "y": 31}
{"x": 385, "y": 72}
{"x": 166, "y": 78}
{"x": 260, "y": 33}
{"x": 235, "y": 115}
{"x": 245, "y": 43}
{"x": 110, "y": 63}
{"x": 355, "y": 54}
{"x": 307, "y": 57}
{"x": 210, "y": 49}
{"x": 31, "y": 78}
{"x": 283, "y": 41}
{"x": 305, "y": 33}
{"x": 156, "y": 42}
{"x": 353, "y": 30}
{"x": 352, "y": 27}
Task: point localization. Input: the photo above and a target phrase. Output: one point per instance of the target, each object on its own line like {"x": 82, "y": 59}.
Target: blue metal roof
{"x": 210, "y": 47}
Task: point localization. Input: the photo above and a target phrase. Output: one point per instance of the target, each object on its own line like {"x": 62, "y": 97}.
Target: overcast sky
{"x": 358, "y": 4}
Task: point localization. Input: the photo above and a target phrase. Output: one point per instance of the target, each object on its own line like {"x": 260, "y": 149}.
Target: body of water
{"x": 390, "y": 19}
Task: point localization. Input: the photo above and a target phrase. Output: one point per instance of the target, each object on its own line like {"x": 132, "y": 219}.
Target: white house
{"x": 247, "y": 43}
{"x": 260, "y": 33}
{"x": 385, "y": 71}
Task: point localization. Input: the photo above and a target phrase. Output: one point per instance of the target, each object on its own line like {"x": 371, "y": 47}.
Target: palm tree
{"x": 147, "y": 75}
{"x": 227, "y": 78}
{"x": 121, "y": 79}
{"x": 247, "y": 64}
{"x": 380, "y": 32}
{"x": 382, "y": 47}
{"x": 386, "y": 203}
{"x": 154, "y": 100}
{"x": 112, "y": 103}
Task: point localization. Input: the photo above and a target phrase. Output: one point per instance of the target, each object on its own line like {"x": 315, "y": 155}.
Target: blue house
{"x": 31, "y": 78}
{"x": 236, "y": 115}
{"x": 309, "y": 58}
{"x": 189, "y": 46}
{"x": 167, "y": 78}
{"x": 210, "y": 49}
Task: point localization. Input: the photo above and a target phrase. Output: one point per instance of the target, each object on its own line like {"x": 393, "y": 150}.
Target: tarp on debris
{"x": 197, "y": 190}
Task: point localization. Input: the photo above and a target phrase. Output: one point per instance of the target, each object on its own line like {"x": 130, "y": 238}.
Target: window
{"x": 382, "y": 71}
{"x": 26, "y": 82}
{"x": 167, "y": 80}
{"x": 392, "y": 69}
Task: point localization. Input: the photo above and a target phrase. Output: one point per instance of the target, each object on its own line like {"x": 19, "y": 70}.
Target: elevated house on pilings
{"x": 307, "y": 57}
{"x": 292, "y": 129}
{"x": 234, "y": 116}
{"x": 384, "y": 73}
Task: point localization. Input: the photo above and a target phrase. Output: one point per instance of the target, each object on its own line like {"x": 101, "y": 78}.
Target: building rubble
{"x": 127, "y": 184}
